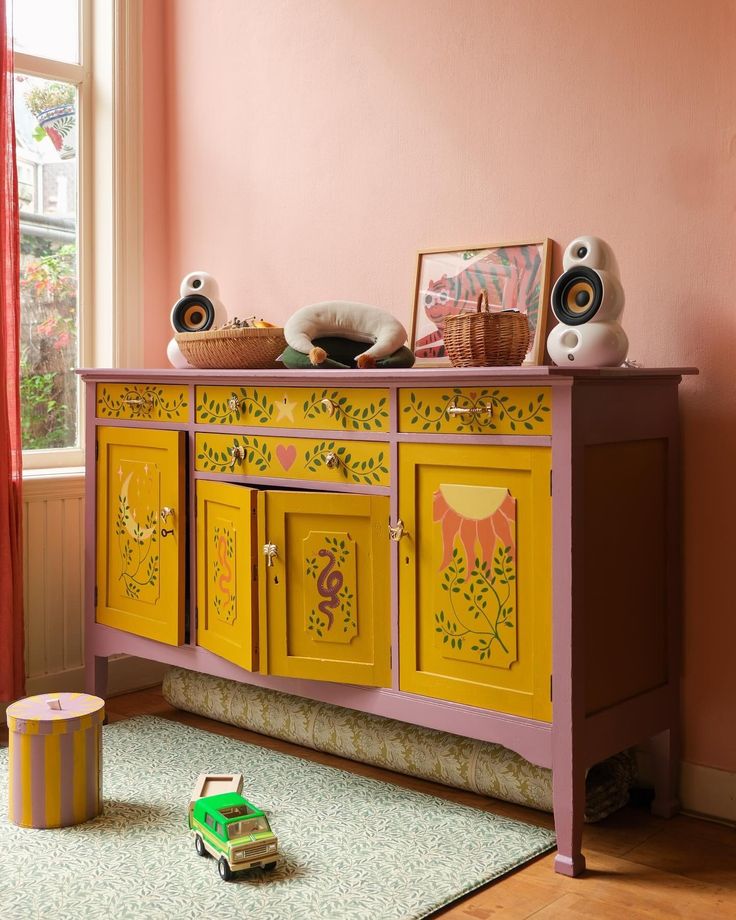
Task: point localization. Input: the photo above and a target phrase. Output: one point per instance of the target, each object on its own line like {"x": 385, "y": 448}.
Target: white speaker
{"x": 588, "y": 300}
{"x": 176, "y": 358}
{"x": 197, "y": 310}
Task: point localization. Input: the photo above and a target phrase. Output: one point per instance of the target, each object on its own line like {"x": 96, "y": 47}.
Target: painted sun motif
{"x": 480, "y": 515}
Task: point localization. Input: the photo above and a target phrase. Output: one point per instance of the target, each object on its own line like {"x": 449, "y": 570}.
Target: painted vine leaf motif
{"x": 480, "y": 606}
{"x": 224, "y": 600}
{"x": 255, "y": 452}
{"x": 139, "y": 567}
{"x": 256, "y": 406}
{"x": 152, "y": 403}
{"x": 428, "y": 416}
{"x": 349, "y": 416}
{"x": 346, "y": 608}
{"x": 337, "y": 607}
{"x": 365, "y": 471}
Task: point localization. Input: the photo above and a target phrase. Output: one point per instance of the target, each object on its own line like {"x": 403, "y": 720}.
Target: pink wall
{"x": 307, "y": 150}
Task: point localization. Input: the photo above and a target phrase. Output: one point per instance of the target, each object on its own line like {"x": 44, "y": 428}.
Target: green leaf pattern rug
{"x": 354, "y": 848}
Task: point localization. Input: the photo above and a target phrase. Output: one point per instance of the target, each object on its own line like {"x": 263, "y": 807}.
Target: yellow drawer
{"x": 481, "y": 410}
{"x": 294, "y": 407}
{"x": 320, "y": 460}
{"x": 145, "y": 401}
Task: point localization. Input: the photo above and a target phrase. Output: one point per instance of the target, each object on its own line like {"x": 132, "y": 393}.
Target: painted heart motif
{"x": 286, "y": 455}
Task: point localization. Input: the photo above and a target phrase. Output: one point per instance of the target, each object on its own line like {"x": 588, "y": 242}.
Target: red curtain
{"x": 12, "y": 678}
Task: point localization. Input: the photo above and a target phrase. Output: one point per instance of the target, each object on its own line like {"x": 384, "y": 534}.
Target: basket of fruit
{"x": 251, "y": 343}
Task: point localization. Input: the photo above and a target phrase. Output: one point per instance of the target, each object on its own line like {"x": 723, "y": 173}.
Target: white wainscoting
{"x": 53, "y": 588}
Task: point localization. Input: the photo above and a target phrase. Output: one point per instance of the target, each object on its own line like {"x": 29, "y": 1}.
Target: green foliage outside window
{"x": 48, "y": 344}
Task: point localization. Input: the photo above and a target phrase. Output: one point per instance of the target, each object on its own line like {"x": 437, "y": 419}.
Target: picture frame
{"x": 448, "y": 282}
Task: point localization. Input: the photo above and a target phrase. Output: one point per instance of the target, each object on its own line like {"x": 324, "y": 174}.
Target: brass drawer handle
{"x": 238, "y": 455}
{"x": 270, "y": 550}
{"x": 143, "y": 403}
{"x": 332, "y": 461}
{"x": 453, "y": 409}
{"x": 329, "y": 406}
{"x": 396, "y": 531}
{"x": 233, "y": 405}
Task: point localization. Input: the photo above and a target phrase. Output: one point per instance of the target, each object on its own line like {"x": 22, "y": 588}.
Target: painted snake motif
{"x": 329, "y": 583}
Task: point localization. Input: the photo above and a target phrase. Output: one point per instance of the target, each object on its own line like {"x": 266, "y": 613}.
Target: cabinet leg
{"x": 568, "y": 796}
{"x": 96, "y": 676}
{"x": 665, "y": 749}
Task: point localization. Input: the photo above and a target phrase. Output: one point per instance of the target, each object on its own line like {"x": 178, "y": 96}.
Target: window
{"x": 72, "y": 252}
{"x": 50, "y": 81}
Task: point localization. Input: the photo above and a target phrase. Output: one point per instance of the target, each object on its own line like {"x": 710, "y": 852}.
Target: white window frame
{"x": 110, "y": 251}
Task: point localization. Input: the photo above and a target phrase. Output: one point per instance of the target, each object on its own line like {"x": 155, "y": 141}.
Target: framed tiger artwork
{"x": 448, "y": 282}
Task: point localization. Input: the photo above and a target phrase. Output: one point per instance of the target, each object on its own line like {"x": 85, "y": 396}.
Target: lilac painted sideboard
{"x": 489, "y": 552}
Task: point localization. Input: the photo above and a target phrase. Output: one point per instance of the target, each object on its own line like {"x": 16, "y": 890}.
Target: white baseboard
{"x": 704, "y": 791}
{"x": 708, "y": 792}
{"x": 125, "y": 675}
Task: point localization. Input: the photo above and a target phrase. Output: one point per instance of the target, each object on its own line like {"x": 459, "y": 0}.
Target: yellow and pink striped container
{"x": 55, "y": 755}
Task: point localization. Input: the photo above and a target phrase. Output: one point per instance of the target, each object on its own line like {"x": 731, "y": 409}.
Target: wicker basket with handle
{"x": 485, "y": 339}
{"x": 251, "y": 347}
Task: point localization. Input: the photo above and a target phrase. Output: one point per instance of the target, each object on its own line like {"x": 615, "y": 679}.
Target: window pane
{"x": 47, "y": 28}
{"x": 45, "y": 127}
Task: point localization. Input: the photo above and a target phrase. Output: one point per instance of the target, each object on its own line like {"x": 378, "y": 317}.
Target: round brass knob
{"x": 238, "y": 455}
{"x": 396, "y": 531}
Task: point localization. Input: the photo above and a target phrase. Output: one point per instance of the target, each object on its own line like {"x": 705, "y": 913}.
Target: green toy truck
{"x": 235, "y": 832}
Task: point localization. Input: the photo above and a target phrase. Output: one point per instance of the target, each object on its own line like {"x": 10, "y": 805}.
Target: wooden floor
{"x": 639, "y": 867}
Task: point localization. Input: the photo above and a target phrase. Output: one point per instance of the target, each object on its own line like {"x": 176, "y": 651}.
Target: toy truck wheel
{"x": 200, "y": 847}
{"x": 223, "y": 867}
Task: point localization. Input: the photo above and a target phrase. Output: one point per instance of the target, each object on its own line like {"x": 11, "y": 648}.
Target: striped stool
{"x": 55, "y": 757}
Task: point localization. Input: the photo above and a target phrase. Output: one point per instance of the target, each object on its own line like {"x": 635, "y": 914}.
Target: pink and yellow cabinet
{"x": 447, "y": 547}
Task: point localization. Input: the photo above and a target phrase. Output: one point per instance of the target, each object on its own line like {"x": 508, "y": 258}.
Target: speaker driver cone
{"x": 194, "y": 313}
{"x": 577, "y": 296}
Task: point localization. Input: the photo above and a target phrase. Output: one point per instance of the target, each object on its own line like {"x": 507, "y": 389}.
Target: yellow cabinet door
{"x": 325, "y": 602}
{"x": 141, "y": 532}
{"x": 226, "y": 574}
{"x": 475, "y": 575}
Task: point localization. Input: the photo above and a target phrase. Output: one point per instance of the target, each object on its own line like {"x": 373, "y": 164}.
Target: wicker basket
{"x": 485, "y": 339}
{"x": 235, "y": 347}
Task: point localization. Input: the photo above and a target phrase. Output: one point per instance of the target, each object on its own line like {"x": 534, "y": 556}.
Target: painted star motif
{"x": 120, "y": 473}
{"x": 285, "y": 409}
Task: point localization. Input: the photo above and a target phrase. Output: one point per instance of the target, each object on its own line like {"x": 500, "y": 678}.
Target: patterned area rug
{"x": 354, "y": 848}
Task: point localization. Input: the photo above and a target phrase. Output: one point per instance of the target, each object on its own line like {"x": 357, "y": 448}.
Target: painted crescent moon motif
{"x": 143, "y": 533}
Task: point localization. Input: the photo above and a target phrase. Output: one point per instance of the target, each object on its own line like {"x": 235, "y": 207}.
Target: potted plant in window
{"x": 54, "y": 108}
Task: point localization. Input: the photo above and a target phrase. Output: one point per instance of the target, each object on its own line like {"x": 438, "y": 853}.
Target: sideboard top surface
{"x": 412, "y": 377}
